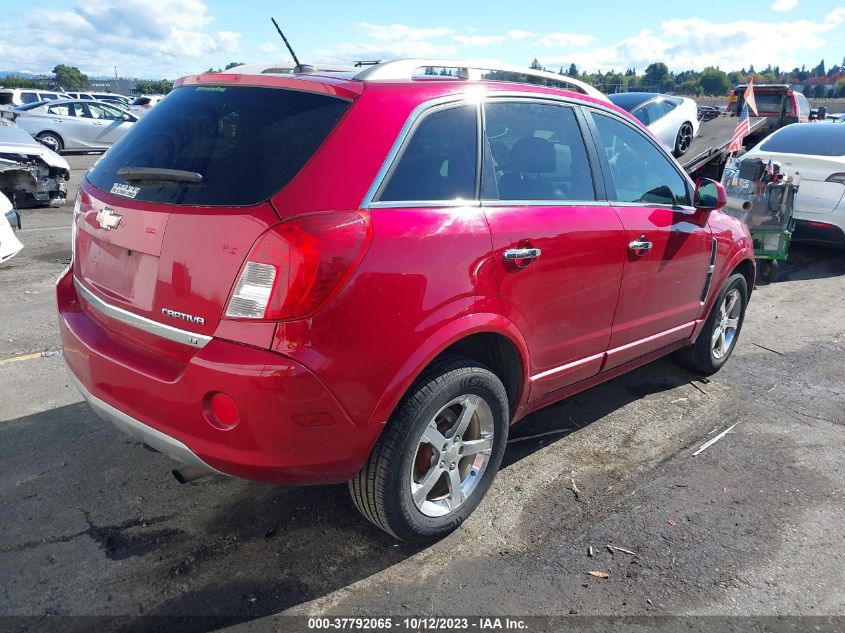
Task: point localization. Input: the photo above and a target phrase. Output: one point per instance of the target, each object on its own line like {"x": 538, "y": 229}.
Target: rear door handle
{"x": 522, "y": 253}
{"x": 641, "y": 245}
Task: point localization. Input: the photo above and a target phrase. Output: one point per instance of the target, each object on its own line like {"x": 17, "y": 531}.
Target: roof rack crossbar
{"x": 404, "y": 69}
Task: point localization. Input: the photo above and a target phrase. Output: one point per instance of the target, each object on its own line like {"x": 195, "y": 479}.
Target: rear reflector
{"x": 818, "y": 225}
{"x": 297, "y": 266}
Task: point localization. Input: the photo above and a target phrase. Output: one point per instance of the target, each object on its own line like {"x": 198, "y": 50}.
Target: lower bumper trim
{"x": 161, "y": 442}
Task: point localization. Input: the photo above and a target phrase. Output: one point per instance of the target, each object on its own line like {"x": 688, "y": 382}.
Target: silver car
{"x": 672, "y": 120}
{"x": 74, "y": 124}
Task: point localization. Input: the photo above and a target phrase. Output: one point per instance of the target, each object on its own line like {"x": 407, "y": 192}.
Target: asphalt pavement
{"x": 94, "y": 524}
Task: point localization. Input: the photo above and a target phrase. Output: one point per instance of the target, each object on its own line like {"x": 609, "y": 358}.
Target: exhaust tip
{"x": 190, "y": 473}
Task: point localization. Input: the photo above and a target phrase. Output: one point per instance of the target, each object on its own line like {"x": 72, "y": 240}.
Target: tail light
{"x": 297, "y": 266}
{"x": 838, "y": 177}
{"x": 82, "y": 200}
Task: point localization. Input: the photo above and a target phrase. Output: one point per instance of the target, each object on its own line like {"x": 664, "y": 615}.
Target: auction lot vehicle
{"x": 30, "y": 173}
{"x": 366, "y": 277}
{"x": 673, "y": 120}
{"x": 817, "y": 152}
{"x": 779, "y": 104}
{"x": 73, "y": 124}
{"x": 10, "y": 219}
{"x": 19, "y": 96}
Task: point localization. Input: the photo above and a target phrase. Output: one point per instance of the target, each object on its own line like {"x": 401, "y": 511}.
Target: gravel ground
{"x": 93, "y": 524}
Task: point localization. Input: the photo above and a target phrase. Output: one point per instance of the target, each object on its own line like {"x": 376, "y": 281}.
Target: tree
{"x": 573, "y": 70}
{"x": 714, "y": 82}
{"x": 819, "y": 70}
{"x": 535, "y": 65}
{"x": 233, "y": 64}
{"x": 70, "y": 78}
{"x": 161, "y": 87}
{"x": 657, "y": 75}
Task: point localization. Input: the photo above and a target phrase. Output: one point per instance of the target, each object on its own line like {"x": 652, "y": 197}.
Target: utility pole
{"x": 116, "y": 81}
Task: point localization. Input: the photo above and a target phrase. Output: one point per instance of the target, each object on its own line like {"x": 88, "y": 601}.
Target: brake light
{"x": 837, "y": 177}
{"x": 300, "y": 264}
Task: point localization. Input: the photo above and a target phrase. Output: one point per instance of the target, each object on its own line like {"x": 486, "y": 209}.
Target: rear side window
{"x": 6, "y": 98}
{"x": 639, "y": 171}
{"x": 813, "y": 139}
{"x": 246, "y": 143}
{"x": 438, "y": 162}
{"x": 29, "y": 97}
{"x": 537, "y": 152}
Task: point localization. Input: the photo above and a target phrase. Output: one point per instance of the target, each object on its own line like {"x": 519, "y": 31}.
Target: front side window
{"x": 639, "y": 171}
{"x": 59, "y": 109}
{"x": 537, "y": 152}
{"x": 439, "y": 161}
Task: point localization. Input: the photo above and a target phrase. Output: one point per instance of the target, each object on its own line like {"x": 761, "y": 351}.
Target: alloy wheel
{"x": 727, "y": 323}
{"x": 684, "y": 138}
{"x": 452, "y": 455}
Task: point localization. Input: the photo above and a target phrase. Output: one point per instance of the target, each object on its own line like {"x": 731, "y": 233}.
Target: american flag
{"x": 742, "y": 129}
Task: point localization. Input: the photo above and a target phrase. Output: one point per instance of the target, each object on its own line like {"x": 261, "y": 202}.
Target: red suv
{"x": 317, "y": 278}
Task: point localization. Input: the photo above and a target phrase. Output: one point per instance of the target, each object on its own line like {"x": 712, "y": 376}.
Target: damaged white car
{"x": 9, "y": 219}
{"x": 30, "y": 173}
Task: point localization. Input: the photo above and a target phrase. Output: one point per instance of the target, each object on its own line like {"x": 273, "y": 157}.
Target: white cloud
{"x": 474, "y": 41}
{"x": 518, "y": 34}
{"x": 784, "y": 5}
{"x": 141, "y": 37}
{"x": 268, "y": 47}
{"x": 393, "y": 32}
{"x": 695, "y": 43}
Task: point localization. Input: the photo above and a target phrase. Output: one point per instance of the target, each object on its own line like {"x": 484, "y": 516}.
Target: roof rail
{"x": 404, "y": 69}
{"x": 287, "y": 67}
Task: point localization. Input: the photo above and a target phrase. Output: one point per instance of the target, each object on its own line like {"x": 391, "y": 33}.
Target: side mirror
{"x": 709, "y": 195}
{"x": 128, "y": 117}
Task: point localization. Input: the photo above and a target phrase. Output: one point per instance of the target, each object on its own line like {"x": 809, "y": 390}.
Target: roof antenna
{"x": 299, "y": 68}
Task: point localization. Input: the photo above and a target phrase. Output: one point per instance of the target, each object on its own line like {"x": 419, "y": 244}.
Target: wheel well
{"x": 747, "y": 269}
{"x": 498, "y": 354}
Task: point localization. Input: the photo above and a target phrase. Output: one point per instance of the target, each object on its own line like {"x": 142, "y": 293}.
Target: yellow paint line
{"x": 22, "y": 357}
{"x": 46, "y": 228}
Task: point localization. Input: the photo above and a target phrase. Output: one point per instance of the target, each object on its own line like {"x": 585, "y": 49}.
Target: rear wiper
{"x": 156, "y": 174}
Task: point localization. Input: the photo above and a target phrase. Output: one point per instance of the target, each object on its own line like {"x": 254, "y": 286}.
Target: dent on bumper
{"x": 291, "y": 429}
{"x": 161, "y": 442}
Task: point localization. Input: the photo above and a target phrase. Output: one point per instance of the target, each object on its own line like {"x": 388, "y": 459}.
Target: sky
{"x": 169, "y": 38}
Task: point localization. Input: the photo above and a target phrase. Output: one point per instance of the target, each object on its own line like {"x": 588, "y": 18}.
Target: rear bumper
{"x": 290, "y": 430}
{"x": 818, "y": 232}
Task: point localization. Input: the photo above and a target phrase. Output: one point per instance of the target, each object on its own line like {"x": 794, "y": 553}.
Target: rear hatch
{"x": 167, "y": 217}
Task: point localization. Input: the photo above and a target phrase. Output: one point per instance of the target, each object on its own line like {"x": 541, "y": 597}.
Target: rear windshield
{"x": 771, "y": 103}
{"x": 141, "y": 101}
{"x": 246, "y": 143}
{"x": 814, "y": 139}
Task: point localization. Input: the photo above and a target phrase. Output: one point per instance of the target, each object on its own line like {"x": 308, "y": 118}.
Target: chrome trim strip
{"x": 546, "y": 203}
{"x": 153, "y": 438}
{"x": 423, "y": 203}
{"x": 568, "y": 366}
{"x": 142, "y": 323}
{"x": 648, "y": 339}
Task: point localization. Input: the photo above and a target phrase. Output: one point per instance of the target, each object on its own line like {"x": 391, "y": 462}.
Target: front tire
{"x": 717, "y": 339}
{"x": 438, "y": 454}
{"x": 51, "y": 140}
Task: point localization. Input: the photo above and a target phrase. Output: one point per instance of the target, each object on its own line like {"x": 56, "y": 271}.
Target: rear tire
{"x": 718, "y": 337}
{"x": 684, "y": 139}
{"x": 51, "y": 140}
{"x": 417, "y": 491}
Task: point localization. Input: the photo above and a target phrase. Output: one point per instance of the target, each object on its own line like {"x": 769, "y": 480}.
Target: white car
{"x": 31, "y": 174}
{"x": 817, "y": 152}
{"x": 672, "y": 120}
{"x": 9, "y": 243}
{"x": 74, "y": 124}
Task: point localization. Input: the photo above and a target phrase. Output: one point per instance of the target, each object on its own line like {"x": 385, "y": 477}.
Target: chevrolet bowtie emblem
{"x": 108, "y": 219}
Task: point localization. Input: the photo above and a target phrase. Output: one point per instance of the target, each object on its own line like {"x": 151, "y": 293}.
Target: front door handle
{"x": 522, "y": 253}
{"x": 641, "y": 245}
